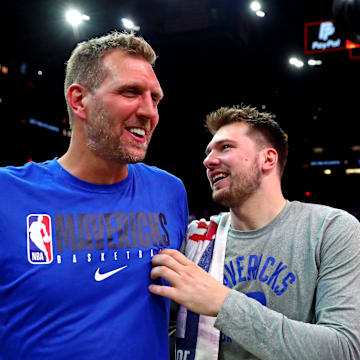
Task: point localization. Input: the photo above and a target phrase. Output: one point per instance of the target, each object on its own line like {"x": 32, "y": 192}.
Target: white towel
{"x": 196, "y": 336}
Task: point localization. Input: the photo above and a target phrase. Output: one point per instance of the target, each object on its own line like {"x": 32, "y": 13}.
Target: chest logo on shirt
{"x": 96, "y": 237}
{"x": 39, "y": 239}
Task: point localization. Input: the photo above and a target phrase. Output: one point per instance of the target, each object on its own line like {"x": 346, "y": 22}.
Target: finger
{"x": 177, "y": 255}
{"x": 166, "y": 260}
{"x": 167, "y": 291}
{"x": 166, "y": 273}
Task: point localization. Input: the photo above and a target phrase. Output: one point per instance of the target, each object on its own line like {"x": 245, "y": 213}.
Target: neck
{"x": 257, "y": 211}
{"x": 82, "y": 163}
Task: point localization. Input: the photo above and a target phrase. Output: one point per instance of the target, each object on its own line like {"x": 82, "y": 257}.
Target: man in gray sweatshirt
{"x": 271, "y": 278}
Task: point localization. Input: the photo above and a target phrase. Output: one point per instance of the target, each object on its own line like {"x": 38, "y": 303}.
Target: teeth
{"x": 219, "y": 176}
{"x": 137, "y": 131}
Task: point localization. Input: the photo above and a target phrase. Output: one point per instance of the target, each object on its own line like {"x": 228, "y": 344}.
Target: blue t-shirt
{"x": 75, "y": 261}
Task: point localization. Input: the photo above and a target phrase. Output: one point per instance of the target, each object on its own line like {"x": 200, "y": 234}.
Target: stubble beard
{"x": 104, "y": 144}
{"x": 241, "y": 186}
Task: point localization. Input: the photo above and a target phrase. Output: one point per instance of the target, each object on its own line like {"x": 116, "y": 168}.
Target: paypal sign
{"x": 321, "y": 36}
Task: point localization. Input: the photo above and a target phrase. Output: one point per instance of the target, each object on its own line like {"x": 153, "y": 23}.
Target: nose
{"x": 147, "y": 108}
{"x": 211, "y": 160}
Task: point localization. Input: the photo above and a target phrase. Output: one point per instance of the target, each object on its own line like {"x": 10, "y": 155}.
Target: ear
{"x": 270, "y": 159}
{"x": 76, "y": 96}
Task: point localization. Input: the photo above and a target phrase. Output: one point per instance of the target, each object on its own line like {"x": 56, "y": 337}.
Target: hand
{"x": 191, "y": 286}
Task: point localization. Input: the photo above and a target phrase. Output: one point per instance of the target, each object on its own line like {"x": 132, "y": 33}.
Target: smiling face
{"x": 122, "y": 112}
{"x": 233, "y": 167}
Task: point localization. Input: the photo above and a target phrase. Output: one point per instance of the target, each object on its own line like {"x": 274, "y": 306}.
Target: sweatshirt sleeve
{"x": 335, "y": 331}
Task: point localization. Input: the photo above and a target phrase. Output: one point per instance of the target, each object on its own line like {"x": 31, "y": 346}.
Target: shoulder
{"x": 324, "y": 216}
{"x": 157, "y": 174}
{"x": 321, "y": 211}
{"x": 30, "y": 171}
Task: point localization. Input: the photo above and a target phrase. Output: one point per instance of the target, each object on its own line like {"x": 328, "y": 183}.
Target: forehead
{"x": 235, "y": 133}
{"x": 125, "y": 67}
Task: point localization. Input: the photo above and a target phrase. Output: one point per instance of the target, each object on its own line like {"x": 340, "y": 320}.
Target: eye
{"x": 156, "y": 99}
{"x": 130, "y": 92}
{"x": 226, "y": 146}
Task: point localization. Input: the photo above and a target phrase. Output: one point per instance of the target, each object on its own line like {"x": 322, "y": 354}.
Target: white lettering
{"x": 316, "y": 45}
{"x": 334, "y": 43}
{"x": 74, "y": 259}
{"x": 182, "y": 355}
{"x": 152, "y": 252}
{"x": 140, "y": 254}
{"x": 58, "y": 259}
{"x": 89, "y": 257}
{"x": 38, "y": 256}
{"x": 102, "y": 257}
{"x": 128, "y": 255}
{"x": 115, "y": 255}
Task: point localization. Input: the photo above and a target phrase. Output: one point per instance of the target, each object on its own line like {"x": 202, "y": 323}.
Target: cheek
{"x": 155, "y": 122}
{"x": 246, "y": 159}
{"x": 121, "y": 108}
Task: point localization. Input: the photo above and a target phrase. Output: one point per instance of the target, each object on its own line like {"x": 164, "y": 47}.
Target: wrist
{"x": 220, "y": 299}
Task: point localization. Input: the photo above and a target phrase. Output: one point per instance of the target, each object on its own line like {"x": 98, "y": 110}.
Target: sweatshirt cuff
{"x": 227, "y": 310}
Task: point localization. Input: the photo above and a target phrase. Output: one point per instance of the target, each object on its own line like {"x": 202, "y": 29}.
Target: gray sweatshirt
{"x": 296, "y": 288}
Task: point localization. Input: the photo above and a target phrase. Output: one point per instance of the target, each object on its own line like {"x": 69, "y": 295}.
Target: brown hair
{"x": 262, "y": 128}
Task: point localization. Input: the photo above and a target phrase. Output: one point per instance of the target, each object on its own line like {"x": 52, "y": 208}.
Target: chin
{"x": 221, "y": 197}
{"x": 135, "y": 157}
{"x": 123, "y": 157}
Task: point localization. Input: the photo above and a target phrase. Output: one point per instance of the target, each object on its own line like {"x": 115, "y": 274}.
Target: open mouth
{"x": 137, "y": 132}
{"x": 217, "y": 177}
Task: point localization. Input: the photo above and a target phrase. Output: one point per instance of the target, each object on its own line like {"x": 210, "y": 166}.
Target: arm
{"x": 335, "y": 333}
{"x": 269, "y": 334}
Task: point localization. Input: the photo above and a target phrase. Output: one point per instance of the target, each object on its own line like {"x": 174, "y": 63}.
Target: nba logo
{"x": 39, "y": 239}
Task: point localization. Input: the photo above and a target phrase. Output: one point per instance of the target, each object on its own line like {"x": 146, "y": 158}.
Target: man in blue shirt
{"x": 78, "y": 233}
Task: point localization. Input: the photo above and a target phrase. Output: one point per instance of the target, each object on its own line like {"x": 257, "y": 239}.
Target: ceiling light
{"x": 129, "y": 24}
{"x": 313, "y": 62}
{"x": 74, "y": 17}
{"x": 260, "y": 13}
{"x": 296, "y": 62}
{"x": 255, "y": 6}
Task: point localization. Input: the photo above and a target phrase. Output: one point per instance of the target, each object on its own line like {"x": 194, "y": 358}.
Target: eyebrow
{"x": 158, "y": 92}
{"x": 216, "y": 144}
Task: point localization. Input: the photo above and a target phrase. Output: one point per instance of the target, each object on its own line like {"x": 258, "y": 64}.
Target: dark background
{"x": 211, "y": 53}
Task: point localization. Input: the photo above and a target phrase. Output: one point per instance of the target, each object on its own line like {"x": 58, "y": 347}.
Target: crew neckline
{"x": 254, "y": 233}
{"x": 67, "y": 177}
